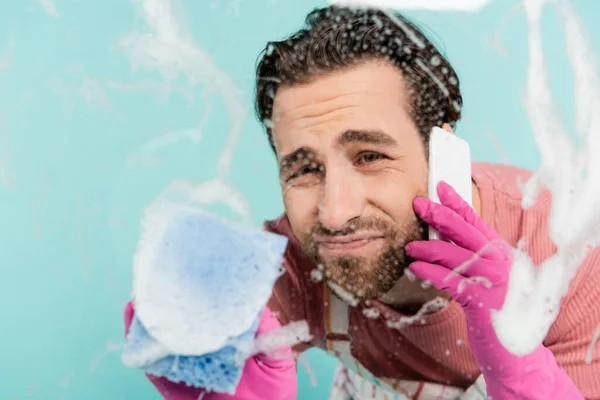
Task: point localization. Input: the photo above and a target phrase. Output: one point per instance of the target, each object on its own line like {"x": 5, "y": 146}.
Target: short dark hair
{"x": 335, "y": 38}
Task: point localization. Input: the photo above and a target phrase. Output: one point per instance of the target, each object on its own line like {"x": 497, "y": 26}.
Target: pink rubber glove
{"x": 475, "y": 271}
{"x": 263, "y": 377}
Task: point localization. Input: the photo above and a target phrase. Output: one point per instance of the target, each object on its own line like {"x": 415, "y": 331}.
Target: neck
{"x": 408, "y": 295}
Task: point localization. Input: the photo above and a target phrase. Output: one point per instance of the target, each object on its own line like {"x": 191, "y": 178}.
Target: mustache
{"x": 352, "y": 226}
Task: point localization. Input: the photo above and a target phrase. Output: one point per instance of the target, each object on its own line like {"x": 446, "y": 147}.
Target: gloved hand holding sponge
{"x": 200, "y": 288}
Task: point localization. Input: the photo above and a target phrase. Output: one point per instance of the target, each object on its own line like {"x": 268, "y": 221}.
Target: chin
{"x": 363, "y": 283}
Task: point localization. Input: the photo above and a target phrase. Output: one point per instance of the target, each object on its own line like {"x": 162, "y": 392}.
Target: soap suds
{"x": 294, "y": 333}
{"x": 590, "y": 352}
{"x": 371, "y": 313}
{"x": 170, "y": 49}
{"x": 429, "y": 307}
{"x": 110, "y": 347}
{"x": 431, "y": 5}
{"x": 346, "y": 296}
{"x": 49, "y": 8}
{"x": 569, "y": 172}
{"x": 303, "y": 360}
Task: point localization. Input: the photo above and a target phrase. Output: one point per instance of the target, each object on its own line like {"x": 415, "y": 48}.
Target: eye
{"x": 306, "y": 170}
{"x": 370, "y": 157}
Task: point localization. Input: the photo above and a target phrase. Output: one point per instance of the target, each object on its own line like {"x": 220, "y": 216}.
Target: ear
{"x": 447, "y": 128}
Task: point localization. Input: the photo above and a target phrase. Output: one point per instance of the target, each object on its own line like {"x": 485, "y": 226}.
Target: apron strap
{"x": 339, "y": 344}
{"x": 337, "y": 338}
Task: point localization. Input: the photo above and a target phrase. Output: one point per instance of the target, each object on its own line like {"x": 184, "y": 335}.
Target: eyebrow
{"x": 295, "y": 156}
{"x": 368, "y": 136}
{"x": 350, "y": 136}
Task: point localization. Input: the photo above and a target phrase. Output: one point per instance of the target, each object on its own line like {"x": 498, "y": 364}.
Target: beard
{"x": 362, "y": 277}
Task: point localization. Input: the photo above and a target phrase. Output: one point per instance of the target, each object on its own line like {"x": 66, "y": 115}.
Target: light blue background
{"x": 74, "y": 115}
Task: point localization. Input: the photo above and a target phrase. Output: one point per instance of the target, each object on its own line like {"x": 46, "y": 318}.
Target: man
{"x": 348, "y": 103}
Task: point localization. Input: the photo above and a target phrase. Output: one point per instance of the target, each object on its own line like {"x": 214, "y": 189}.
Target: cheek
{"x": 393, "y": 193}
{"x": 301, "y": 207}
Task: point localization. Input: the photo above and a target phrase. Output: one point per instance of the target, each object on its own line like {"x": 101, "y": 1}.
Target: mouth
{"x": 345, "y": 245}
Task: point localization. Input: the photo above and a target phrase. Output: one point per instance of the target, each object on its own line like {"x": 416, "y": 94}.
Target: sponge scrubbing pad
{"x": 219, "y": 371}
{"x": 199, "y": 285}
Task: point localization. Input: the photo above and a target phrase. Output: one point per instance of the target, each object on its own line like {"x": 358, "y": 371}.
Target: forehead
{"x": 369, "y": 96}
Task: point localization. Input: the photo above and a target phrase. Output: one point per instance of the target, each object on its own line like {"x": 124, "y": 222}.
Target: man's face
{"x": 351, "y": 161}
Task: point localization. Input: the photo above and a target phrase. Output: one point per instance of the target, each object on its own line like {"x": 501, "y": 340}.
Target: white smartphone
{"x": 449, "y": 161}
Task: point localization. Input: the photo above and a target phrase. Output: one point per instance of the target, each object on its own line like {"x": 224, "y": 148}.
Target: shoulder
{"x": 296, "y": 294}
{"x": 280, "y": 225}
{"x": 506, "y": 183}
{"x": 501, "y": 189}
{"x": 298, "y": 266}
{"x": 506, "y": 179}
{"x": 501, "y": 186}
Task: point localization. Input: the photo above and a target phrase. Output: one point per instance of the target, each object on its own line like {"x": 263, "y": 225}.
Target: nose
{"x": 342, "y": 198}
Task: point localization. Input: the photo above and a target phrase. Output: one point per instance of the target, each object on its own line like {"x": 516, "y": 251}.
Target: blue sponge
{"x": 219, "y": 371}
{"x": 199, "y": 285}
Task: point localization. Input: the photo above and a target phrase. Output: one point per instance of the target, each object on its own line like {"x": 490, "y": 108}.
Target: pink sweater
{"x": 437, "y": 351}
